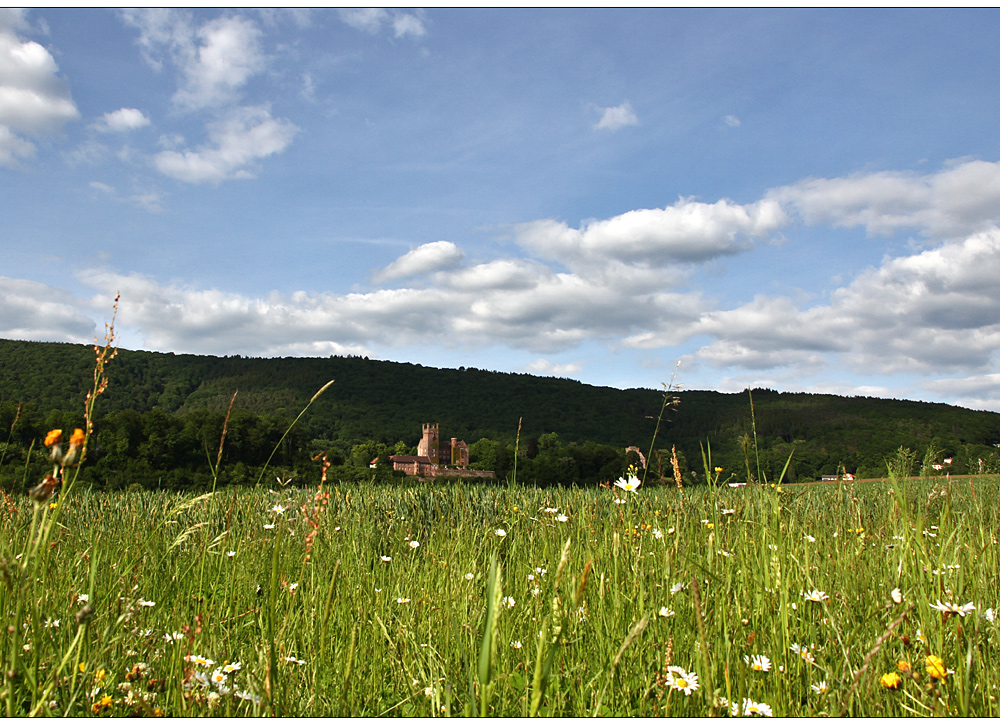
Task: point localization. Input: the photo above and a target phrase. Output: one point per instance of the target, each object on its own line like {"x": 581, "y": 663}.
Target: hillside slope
{"x": 386, "y": 402}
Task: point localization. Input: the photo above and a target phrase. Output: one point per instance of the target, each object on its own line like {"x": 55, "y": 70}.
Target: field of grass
{"x": 430, "y": 600}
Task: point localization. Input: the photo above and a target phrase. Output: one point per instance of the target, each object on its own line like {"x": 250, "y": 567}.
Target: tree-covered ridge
{"x": 160, "y": 421}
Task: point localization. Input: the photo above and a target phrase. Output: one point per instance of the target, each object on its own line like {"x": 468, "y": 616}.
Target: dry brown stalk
{"x": 677, "y": 467}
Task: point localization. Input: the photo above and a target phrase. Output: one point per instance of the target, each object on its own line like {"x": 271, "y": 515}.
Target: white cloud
{"x": 541, "y": 311}
{"x": 500, "y": 274}
{"x": 373, "y": 20}
{"x": 236, "y": 142}
{"x": 215, "y": 60}
{"x": 979, "y": 392}
{"x": 165, "y": 34}
{"x": 406, "y": 24}
{"x": 617, "y": 117}
{"x": 732, "y": 121}
{"x": 369, "y": 20}
{"x": 542, "y": 366}
{"x": 34, "y": 99}
{"x": 13, "y": 147}
{"x": 925, "y": 313}
{"x": 688, "y": 231}
{"x": 961, "y": 199}
{"x": 426, "y": 258}
{"x": 151, "y": 201}
{"x": 36, "y": 311}
{"x": 226, "y": 55}
{"x": 122, "y": 120}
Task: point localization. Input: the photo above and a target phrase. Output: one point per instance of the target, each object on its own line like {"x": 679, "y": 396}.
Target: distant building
{"x": 435, "y": 458}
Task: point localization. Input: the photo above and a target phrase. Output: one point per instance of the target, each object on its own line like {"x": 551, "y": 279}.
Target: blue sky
{"x": 806, "y": 200}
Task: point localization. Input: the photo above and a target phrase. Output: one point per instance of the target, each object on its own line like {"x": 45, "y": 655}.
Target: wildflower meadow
{"x": 501, "y": 599}
{"x": 504, "y": 600}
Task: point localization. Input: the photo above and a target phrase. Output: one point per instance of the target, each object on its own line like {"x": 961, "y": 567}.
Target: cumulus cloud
{"x": 226, "y": 54}
{"x": 426, "y": 258}
{"x": 236, "y": 142}
{"x": 215, "y": 60}
{"x": 122, "y": 120}
{"x": 922, "y": 313}
{"x": 688, "y": 231}
{"x": 500, "y": 274}
{"x": 373, "y": 20}
{"x": 979, "y": 392}
{"x": 551, "y": 369}
{"x": 35, "y": 311}
{"x": 617, "y": 117}
{"x": 536, "y": 310}
{"x": 34, "y": 99}
{"x": 961, "y": 199}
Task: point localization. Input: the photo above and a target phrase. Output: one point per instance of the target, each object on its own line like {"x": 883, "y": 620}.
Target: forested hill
{"x": 376, "y": 404}
{"x": 370, "y": 398}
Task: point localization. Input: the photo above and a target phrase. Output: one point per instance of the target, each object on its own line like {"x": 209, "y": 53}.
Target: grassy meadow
{"x": 507, "y": 600}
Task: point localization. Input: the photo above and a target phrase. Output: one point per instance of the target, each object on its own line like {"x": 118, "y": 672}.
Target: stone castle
{"x": 435, "y": 458}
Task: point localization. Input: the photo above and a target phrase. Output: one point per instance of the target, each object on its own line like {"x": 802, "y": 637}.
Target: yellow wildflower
{"x": 903, "y": 666}
{"x": 103, "y": 704}
{"x": 76, "y": 440}
{"x": 53, "y": 437}
{"x": 891, "y": 680}
{"x": 935, "y": 667}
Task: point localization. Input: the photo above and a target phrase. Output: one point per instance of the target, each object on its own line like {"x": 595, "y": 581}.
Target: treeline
{"x": 155, "y": 449}
{"x": 160, "y": 422}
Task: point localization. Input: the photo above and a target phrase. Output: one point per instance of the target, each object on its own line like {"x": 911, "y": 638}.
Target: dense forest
{"x": 160, "y": 422}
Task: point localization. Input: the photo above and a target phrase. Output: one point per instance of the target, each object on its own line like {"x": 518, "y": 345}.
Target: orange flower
{"x": 76, "y": 440}
{"x": 54, "y": 437}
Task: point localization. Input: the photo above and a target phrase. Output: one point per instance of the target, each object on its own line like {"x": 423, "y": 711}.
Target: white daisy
{"x": 678, "y": 679}
{"x": 815, "y": 595}
{"x": 758, "y": 663}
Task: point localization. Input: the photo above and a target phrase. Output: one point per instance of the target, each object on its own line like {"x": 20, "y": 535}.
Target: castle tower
{"x": 430, "y": 444}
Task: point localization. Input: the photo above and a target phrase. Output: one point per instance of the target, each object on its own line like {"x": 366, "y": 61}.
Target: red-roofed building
{"x": 435, "y": 458}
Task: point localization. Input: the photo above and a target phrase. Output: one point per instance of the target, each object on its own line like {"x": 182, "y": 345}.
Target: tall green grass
{"x": 413, "y": 603}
